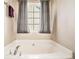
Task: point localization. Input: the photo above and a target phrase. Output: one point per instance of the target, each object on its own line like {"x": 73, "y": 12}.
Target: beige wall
{"x": 65, "y": 23}
{"x": 9, "y": 23}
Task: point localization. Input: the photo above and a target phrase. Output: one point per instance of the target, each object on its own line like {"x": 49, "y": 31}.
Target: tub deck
{"x": 37, "y": 49}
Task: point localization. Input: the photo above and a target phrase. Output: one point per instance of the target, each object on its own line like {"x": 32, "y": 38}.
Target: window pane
{"x": 30, "y": 28}
{"x": 36, "y": 15}
{"x": 30, "y": 21}
{"x": 30, "y": 15}
{"x": 36, "y": 8}
{"x": 36, "y": 28}
{"x": 30, "y": 6}
{"x": 36, "y": 21}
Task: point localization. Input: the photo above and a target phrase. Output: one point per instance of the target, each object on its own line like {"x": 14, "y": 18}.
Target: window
{"x": 33, "y": 16}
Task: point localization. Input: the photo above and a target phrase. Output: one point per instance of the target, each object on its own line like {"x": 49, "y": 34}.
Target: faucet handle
{"x": 20, "y": 54}
{"x": 10, "y": 52}
{"x": 15, "y": 52}
{"x": 17, "y": 46}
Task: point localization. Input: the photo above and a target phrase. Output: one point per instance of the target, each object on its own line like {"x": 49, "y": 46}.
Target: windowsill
{"x": 35, "y": 33}
{"x": 33, "y": 36}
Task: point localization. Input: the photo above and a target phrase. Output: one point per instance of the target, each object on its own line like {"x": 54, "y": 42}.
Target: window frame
{"x": 33, "y": 19}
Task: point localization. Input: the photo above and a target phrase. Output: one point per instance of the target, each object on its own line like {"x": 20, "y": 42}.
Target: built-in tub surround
{"x": 37, "y": 49}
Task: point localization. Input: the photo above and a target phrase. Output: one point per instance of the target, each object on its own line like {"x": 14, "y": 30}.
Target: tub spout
{"x": 33, "y": 44}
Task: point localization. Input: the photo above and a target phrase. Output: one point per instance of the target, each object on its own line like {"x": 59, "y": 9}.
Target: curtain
{"x": 22, "y": 18}
{"x": 45, "y": 25}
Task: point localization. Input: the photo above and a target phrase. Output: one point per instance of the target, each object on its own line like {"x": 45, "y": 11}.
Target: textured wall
{"x": 9, "y": 23}
{"x": 66, "y": 23}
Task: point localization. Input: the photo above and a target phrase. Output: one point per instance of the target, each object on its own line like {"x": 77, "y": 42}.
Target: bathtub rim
{"x": 50, "y": 54}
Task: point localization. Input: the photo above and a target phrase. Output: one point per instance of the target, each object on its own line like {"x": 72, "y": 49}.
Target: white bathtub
{"x": 37, "y": 49}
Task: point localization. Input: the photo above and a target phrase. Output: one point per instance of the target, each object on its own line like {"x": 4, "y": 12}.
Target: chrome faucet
{"x": 15, "y": 52}
{"x": 33, "y": 44}
{"x": 10, "y": 52}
